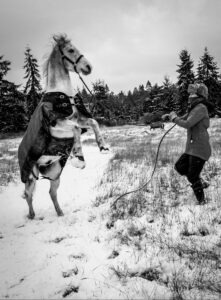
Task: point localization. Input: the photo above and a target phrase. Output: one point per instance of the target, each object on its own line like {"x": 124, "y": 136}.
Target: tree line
{"x": 17, "y": 105}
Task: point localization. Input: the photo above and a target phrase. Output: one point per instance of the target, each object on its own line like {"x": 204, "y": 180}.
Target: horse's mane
{"x": 58, "y": 40}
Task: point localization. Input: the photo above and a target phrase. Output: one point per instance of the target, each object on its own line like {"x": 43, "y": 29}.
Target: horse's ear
{"x": 55, "y": 38}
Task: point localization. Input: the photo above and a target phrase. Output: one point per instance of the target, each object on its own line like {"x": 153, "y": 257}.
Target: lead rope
{"x": 113, "y": 205}
{"x": 93, "y": 97}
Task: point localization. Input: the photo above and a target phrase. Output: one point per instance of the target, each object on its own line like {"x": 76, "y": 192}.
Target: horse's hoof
{"x": 31, "y": 216}
{"x": 60, "y": 213}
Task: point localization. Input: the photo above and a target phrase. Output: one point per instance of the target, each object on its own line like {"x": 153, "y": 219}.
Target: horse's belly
{"x": 61, "y": 133}
{"x": 47, "y": 159}
{"x": 49, "y": 166}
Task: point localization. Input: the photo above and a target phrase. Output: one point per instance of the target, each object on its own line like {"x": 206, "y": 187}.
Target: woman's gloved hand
{"x": 172, "y": 116}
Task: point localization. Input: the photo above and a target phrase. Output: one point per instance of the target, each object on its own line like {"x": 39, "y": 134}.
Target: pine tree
{"x": 4, "y": 67}
{"x": 207, "y": 68}
{"x": 12, "y": 108}
{"x": 87, "y": 98}
{"x": 169, "y": 96}
{"x": 166, "y": 83}
{"x": 32, "y": 88}
{"x": 207, "y": 72}
{"x": 148, "y": 85}
{"x": 101, "y": 104}
{"x": 185, "y": 77}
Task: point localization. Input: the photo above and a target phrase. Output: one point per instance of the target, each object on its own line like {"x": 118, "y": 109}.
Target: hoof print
{"x": 57, "y": 240}
{"x": 69, "y": 273}
{"x": 113, "y": 254}
{"x": 69, "y": 290}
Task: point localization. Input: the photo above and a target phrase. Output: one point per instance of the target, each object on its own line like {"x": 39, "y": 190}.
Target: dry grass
{"x": 9, "y": 169}
{"x": 184, "y": 235}
{"x": 177, "y": 243}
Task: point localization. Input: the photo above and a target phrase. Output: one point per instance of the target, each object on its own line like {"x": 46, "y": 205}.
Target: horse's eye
{"x": 71, "y": 50}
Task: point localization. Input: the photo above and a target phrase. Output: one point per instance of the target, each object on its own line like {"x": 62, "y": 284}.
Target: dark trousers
{"x": 190, "y": 166}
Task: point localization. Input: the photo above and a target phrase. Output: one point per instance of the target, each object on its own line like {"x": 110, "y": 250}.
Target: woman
{"x": 198, "y": 149}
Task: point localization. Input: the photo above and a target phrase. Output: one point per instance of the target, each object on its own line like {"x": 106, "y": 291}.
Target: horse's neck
{"x": 59, "y": 81}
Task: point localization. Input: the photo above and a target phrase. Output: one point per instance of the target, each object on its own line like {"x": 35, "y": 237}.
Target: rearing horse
{"x": 54, "y": 130}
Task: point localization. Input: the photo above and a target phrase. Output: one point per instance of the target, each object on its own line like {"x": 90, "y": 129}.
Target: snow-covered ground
{"x": 55, "y": 257}
{"x": 76, "y": 256}
{"x": 41, "y": 258}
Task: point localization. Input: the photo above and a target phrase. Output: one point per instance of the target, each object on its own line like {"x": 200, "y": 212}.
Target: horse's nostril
{"x": 89, "y": 68}
{"x": 81, "y": 158}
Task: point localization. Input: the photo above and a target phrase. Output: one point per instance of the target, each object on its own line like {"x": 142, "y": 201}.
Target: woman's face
{"x": 191, "y": 98}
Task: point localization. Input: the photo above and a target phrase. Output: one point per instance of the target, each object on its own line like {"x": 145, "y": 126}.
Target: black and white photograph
{"x": 110, "y": 149}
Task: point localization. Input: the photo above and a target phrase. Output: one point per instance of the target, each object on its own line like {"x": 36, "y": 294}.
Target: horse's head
{"x": 72, "y": 59}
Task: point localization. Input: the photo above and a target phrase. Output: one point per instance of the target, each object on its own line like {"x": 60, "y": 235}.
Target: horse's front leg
{"x": 99, "y": 139}
{"x": 78, "y": 160}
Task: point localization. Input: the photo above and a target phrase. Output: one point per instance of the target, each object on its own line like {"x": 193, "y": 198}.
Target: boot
{"x": 199, "y": 193}
{"x": 205, "y": 183}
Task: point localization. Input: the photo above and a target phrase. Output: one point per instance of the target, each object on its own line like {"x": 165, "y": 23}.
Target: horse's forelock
{"x": 61, "y": 40}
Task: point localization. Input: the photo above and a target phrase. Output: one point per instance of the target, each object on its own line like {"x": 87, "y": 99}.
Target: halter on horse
{"x": 54, "y": 129}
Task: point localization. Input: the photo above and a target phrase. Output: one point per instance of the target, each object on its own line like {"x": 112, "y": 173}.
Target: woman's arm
{"x": 197, "y": 114}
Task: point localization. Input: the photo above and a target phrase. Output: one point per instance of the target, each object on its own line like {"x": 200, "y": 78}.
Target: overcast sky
{"x": 127, "y": 41}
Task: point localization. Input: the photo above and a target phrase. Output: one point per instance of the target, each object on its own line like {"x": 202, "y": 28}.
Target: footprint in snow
{"x": 70, "y": 272}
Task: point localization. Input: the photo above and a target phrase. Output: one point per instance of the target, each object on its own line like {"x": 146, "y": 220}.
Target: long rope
{"x": 93, "y": 97}
{"x": 156, "y": 159}
{"x": 151, "y": 177}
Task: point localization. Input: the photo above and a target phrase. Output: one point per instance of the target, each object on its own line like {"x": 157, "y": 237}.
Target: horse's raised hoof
{"x": 78, "y": 162}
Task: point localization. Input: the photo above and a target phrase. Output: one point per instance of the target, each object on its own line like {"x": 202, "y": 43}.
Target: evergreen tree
{"x": 32, "y": 88}
{"x": 207, "y": 72}
{"x": 148, "y": 85}
{"x": 100, "y": 90}
{"x": 4, "y": 67}
{"x": 185, "y": 77}
{"x": 207, "y": 68}
{"x": 101, "y": 103}
{"x": 169, "y": 95}
{"x": 12, "y": 109}
{"x": 166, "y": 83}
{"x": 121, "y": 104}
{"x": 87, "y": 98}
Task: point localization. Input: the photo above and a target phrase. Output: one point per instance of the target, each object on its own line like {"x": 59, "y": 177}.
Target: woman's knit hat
{"x": 200, "y": 89}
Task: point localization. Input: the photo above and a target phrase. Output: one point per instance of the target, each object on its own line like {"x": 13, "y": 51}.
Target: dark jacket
{"x": 197, "y": 122}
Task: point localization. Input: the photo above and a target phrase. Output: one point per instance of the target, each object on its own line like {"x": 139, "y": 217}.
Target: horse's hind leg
{"x": 53, "y": 194}
{"x": 29, "y": 189}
